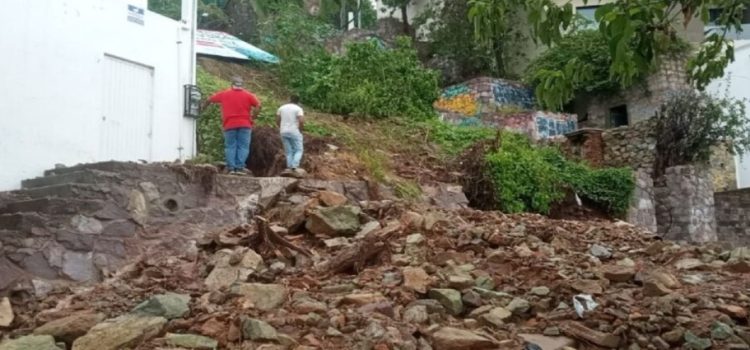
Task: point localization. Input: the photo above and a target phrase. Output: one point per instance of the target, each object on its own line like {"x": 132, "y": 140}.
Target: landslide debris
{"x": 389, "y": 275}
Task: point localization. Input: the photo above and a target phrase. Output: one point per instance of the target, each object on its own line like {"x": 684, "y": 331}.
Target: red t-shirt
{"x": 235, "y": 107}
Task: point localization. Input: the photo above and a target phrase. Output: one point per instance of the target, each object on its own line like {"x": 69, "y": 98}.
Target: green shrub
{"x": 454, "y": 139}
{"x": 210, "y": 137}
{"x": 532, "y": 178}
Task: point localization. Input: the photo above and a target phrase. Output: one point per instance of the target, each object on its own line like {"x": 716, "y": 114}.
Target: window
{"x": 618, "y": 116}
{"x": 588, "y": 13}
{"x": 714, "y": 14}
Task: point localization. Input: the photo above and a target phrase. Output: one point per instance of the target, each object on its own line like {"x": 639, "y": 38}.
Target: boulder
{"x": 191, "y": 341}
{"x": 518, "y": 306}
{"x": 263, "y": 296}
{"x": 693, "y": 342}
{"x": 721, "y": 331}
{"x": 225, "y": 273}
{"x": 449, "y": 298}
{"x": 255, "y": 329}
{"x": 69, "y": 328}
{"x": 600, "y": 251}
{"x": 449, "y": 338}
{"x": 122, "y": 332}
{"x": 497, "y": 316}
{"x": 334, "y": 221}
{"x": 31, "y": 342}
{"x": 169, "y": 306}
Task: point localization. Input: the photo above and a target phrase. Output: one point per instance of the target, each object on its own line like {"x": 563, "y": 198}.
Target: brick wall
{"x": 733, "y": 216}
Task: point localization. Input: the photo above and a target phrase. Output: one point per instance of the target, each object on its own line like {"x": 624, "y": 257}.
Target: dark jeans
{"x": 237, "y": 147}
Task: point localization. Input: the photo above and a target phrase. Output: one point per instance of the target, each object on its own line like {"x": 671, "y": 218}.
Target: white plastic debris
{"x": 584, "y": 303}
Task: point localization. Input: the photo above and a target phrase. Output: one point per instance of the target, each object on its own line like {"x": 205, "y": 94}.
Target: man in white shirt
{"x": 290, "y": 120}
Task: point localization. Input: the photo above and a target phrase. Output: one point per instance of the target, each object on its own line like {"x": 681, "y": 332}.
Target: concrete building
{"x": 92, "y": 80}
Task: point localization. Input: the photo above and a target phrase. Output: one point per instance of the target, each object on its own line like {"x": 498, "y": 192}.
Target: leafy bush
{"x": 367, "y": 80}
{"x": 531, "y": 178}
{"x": 453, "y": 139}
{"x": 210, "y": 136}
{"x": 691, "y": 122}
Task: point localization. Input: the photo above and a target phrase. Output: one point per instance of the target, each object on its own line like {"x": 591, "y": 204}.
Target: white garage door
{"x": 127, "y": 110}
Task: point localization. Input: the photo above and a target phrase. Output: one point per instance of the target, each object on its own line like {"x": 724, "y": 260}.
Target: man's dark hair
{"x": 294, "y": 99}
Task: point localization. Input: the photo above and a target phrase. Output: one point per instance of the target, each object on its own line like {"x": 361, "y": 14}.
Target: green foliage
{"x": 446, "y": 31}
{"x": 167, "y": 8}
{"x": 585, "y": 62}
{"x": 454, "y": 139}
{"x": 690, "y": 123}
{"x": 210, "y": 15}
{"x": 209, "y": 128}
{"x": 637, "y": 33}
{"x": 532, "y": 178}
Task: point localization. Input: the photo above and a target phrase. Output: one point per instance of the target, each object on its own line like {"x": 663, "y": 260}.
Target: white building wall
{"x": 736, "y": 83}
{"x": 51, "y": 90}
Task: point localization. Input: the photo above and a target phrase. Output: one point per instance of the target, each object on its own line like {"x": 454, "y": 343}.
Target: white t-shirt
{"x": 290, "y": 114}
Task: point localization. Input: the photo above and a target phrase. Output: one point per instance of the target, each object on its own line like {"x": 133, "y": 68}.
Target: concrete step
{"x": 86, "y": 176}
{"x": 80, "y": 191}
{"x": 109, "y": 166}
{"x": 53, "y": 206}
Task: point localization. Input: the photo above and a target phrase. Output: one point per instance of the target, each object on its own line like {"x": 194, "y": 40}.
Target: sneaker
{"x": 245, "y": 172}
{"x": 299, "y": 173}
{"x": 287, "y": 172}
{"x": 235, "y": 172}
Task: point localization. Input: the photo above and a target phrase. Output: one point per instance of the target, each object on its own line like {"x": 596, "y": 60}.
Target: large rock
{"x": 255, "y": 329}
{"x": 191, "y": 341}
{"x": 79, "y": 266}
{"x": 263, "y": 296}
{"x": 449, "y": 298}
{"x": 69, "y": 328}
{"x": 122, "y": 332}
{"x": 416, "y": 279}
{"x": 497, "y": 316}
{"x": 618, "y": 273}
{"x": 169, "y": 306}
{"x": 447, "y": 196}
{"x": 449, "y": 338}
{"x": 31, "y": 342}
{"x": 225, "y": 273}
{"x": 334, "y": 221}
{"x": 332, "y": 199}
{"x": 6, "y": 313}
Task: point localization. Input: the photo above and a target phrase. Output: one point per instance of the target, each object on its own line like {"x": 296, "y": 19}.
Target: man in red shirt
{"x": 238, "y": 108}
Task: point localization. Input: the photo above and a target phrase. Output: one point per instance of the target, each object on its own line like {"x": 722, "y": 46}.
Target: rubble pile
{"x": 318, "y": 271}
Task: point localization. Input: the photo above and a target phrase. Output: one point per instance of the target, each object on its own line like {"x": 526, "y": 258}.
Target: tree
{"x": 636, "y": 33}
{"x": 403, "y": 6}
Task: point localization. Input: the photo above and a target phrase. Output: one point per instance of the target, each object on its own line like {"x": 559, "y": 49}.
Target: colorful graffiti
{"x": 465, "y": 104}
{"x": 554, "y": 125}
{"x": 509, "y": 94}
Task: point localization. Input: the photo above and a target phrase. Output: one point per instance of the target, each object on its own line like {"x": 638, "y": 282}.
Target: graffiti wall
{"x": 501, "y": 104}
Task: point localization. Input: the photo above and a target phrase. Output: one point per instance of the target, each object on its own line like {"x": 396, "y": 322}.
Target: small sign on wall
{"x": 136, "y": 14}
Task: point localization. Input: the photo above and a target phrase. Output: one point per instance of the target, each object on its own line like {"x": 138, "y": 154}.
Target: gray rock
{"x": 334, "y": 221}
{"x": 449, "y": 298}
{"x": 86, "y": 225}
{"x": 693, "y": 342}
{"x": 721, "y": 331}
{"x": 191, "y": 341}
{"x": 689, "y": 264}
{"x": 79, "y": 266}
{"x": 264, "y": 296}
{"x": 497, "y": 316}
{"x": 31, "y": 342}
{"x": 122, "y": 332}
{"x": 472, "y": 298}
{"x": 255, "y": 329}
{"x": 69, "y": 328}
{"x": 416, "y": 314}
{"x": 518, "y": 306}
{"x": 600, "y": 252}
{"x": 169, "y": 306}
{"x": 540, "y": 291}
{"x": 225, "y": 273}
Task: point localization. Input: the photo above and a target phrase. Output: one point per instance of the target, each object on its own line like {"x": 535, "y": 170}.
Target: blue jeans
{"x": 293, "y": 148}
{"x": 237, "y": 147}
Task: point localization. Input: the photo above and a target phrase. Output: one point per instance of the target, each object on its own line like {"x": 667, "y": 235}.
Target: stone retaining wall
{"x": 642, "y": 210}
{"x": 733, "y": 216}
{"x": 632, "y": 146}
{"x": 685, "y": 205}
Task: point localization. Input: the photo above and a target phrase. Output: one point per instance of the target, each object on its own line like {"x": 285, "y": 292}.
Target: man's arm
{"x": 301, "y": 121}
{"x": 215, "y": 98}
